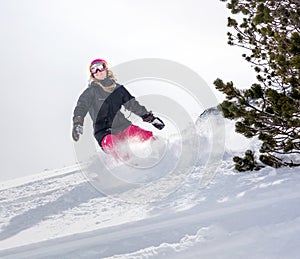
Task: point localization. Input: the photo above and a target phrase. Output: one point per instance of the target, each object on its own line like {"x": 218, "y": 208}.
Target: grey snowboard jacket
{"x": 104, "y": 109}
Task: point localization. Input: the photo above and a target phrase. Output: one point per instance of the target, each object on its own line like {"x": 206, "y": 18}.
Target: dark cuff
{"x": 148, "y": 117}
{"x": 78, "y": 120}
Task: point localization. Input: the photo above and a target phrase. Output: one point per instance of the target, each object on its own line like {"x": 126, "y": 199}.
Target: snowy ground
{"x": 237, "y": 215}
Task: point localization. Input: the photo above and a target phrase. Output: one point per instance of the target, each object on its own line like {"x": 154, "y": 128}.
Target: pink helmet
{"x": 97, "y": 64}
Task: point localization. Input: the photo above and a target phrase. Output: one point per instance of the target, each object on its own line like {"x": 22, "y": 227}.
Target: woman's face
{"x": 100, "y": 75}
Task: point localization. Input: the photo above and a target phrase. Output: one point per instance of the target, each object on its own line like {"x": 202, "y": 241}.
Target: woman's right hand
{"x": 77, "y": 128}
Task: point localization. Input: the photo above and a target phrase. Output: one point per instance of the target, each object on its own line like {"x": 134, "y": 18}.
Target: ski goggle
{"x": 101, "y": 66}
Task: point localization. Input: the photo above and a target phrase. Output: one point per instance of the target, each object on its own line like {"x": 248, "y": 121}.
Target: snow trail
{"x": 214, "y": 213}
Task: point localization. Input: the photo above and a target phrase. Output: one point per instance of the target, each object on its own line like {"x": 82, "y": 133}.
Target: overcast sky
{"x": 46, "y": 47}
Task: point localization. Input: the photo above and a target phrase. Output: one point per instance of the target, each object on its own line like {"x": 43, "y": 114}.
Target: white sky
{"x": 46, "y": 47}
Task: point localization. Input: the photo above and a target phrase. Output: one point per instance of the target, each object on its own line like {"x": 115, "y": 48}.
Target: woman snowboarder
{"x": 103, "y": 99}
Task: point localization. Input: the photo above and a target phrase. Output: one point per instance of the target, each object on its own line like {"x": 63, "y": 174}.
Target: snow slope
{"x": 237, "y": 215}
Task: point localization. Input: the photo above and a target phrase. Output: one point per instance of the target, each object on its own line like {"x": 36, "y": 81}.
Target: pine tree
{"x": 270, "y": 107}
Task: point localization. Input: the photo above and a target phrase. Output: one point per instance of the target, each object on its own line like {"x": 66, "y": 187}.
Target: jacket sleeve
{"x": 131, "y": 104}
{"x": 84, "y": 103}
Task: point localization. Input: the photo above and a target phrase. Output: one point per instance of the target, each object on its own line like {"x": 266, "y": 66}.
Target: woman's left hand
{"x": 155, "y": 121}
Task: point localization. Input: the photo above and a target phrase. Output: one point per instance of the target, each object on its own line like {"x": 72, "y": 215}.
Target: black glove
{"x": 77, "y": 128}
{"x": 155, "y": 121}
